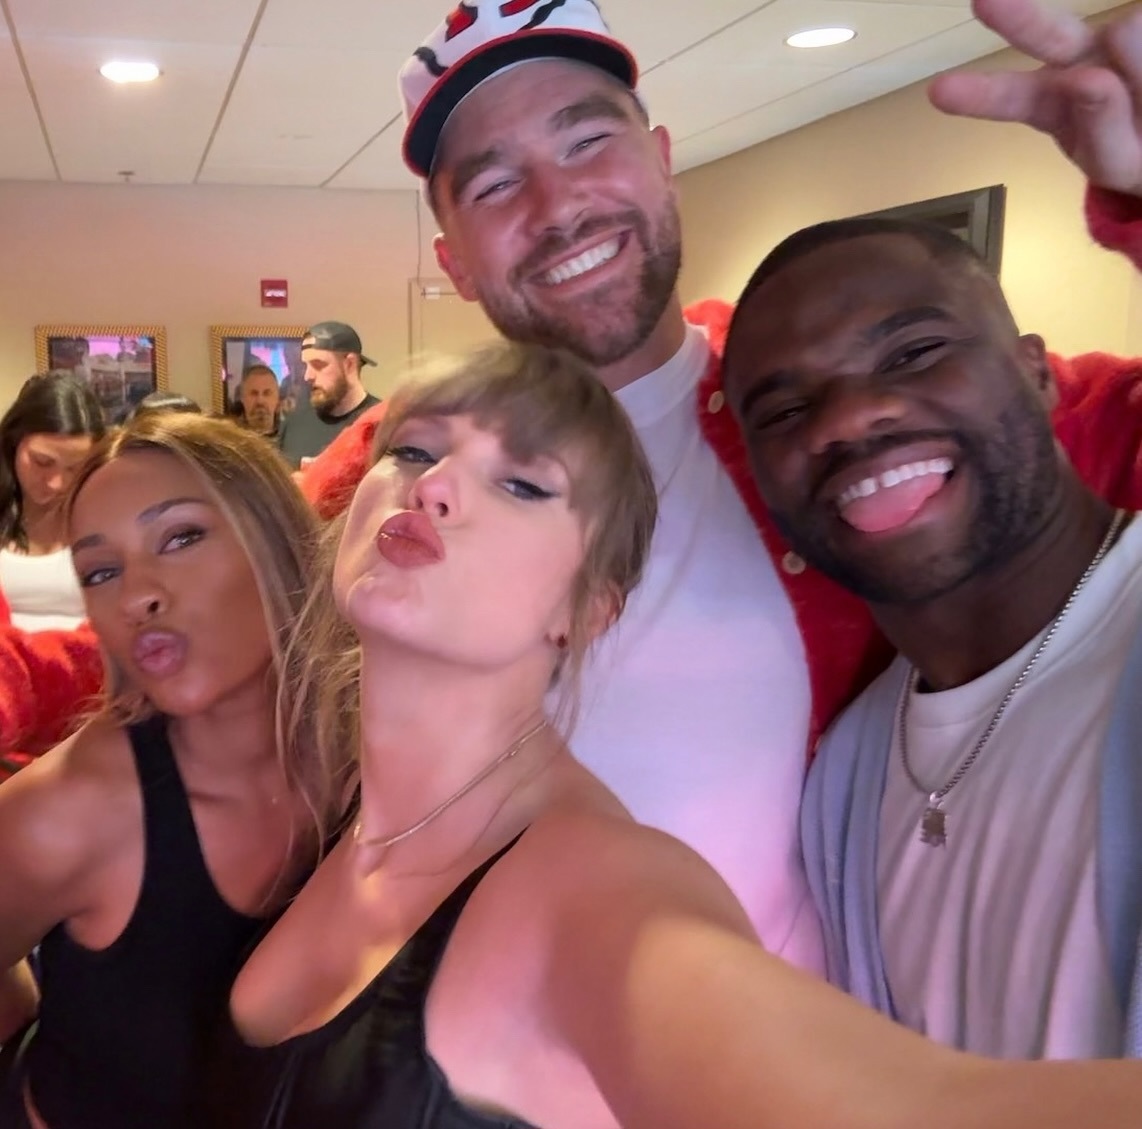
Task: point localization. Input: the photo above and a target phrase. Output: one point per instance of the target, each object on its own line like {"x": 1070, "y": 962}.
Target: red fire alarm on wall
{"x": 275, "y": 292}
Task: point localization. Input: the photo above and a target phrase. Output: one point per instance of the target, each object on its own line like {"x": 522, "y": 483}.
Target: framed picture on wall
{"x": 234, "y": 348}
{"x": 123, "y": 363}
{"x": 976, "y": 216}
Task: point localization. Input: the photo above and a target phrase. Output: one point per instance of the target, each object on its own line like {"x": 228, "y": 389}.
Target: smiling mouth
{"x": 581, "y": 264}
{"x": 891, "y": 499}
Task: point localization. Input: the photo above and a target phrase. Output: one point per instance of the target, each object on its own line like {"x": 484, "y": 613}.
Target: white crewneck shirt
{"x": 696, "y": 705}
{"x": 993, "y": 943}
{"x": 42, "y": 591}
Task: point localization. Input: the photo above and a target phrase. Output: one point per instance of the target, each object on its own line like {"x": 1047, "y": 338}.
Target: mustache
{"x": 840, "y": 456}
{"x": 555, "y": 243}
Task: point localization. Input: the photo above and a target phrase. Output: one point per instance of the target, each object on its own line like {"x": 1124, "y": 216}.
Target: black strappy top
{"x": 368, "y": 1067}
{"x": 122, "y": 1031}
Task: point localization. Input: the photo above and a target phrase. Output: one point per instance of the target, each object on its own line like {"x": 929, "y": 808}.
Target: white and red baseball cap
{"x": 482, "y": 38}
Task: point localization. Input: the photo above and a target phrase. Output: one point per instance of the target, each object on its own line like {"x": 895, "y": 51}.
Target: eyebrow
{"x": 783, "y": 378}
{"x": 149, "y": 515}
{"x": 468, "y": 168}
{"x": 591, "y": 108}
{"x": 902, "y": 319}
{"x": 767, "y": 385}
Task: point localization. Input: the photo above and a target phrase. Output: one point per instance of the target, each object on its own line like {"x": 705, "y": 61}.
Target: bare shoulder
{"x": 64, "y": 811}
{"x": 589, "y": 862}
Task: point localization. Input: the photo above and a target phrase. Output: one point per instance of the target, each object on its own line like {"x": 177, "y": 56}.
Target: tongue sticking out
{"x": 892, "y": 506}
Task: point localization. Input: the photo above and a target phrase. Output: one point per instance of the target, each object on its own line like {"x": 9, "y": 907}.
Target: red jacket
{"x": 1098, "y": 420}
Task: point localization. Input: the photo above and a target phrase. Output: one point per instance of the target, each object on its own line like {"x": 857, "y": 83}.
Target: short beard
{"x": 1016, "y": 471}
{"x": 591, "y": 336}
{"x": 325, "y": 403}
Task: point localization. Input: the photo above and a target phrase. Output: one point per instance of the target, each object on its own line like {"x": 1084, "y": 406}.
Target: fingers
{"x": 1008, "y": 96}
{"x": 1058, "y": 38}
{"x": 1123, "y": 46}
{"x": 1101, "y": 136}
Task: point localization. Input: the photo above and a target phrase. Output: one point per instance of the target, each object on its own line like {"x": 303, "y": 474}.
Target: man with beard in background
{"x": 333, "y": 360}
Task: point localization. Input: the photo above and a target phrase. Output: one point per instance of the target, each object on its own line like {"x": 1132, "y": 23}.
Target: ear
{"x": 603, "y": 608}
{"x": 453, "y": 266}
{"x": 661, "y": 138}
{"x": 1036, "y": 364}
{"x": 601, "y": 611}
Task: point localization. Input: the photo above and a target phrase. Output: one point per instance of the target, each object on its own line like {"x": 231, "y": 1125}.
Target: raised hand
{"x": 1087, "y": 95}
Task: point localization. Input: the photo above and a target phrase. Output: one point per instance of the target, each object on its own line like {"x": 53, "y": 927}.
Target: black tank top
{"x": 368, "y": 1067}
{"x": 122, "y": 1031}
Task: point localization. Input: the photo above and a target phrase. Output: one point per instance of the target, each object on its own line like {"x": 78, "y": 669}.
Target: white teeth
{"x": 589, "y": 260}
{"x": 866, "y": 487}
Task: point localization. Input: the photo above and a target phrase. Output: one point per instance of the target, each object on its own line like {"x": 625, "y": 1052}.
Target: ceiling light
{"x": 821, "y": 37}
{"x": 129, "y": 72}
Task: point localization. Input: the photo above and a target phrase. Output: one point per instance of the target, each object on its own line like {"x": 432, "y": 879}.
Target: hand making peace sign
{"x": 1087, "y": 95}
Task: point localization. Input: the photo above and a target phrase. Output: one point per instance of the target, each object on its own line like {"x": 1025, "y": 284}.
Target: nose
{"x": 555, "y": 198}
{"x": 437, "y": 491}
{"x": 142, "y": 596}
{"x": 850, "y": 411}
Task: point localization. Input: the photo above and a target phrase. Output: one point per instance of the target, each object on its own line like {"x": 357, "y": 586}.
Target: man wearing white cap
{"x": 558, "y": 214}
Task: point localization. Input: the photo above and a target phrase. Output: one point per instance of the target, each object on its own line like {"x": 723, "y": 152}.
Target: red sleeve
{"x": 1115, "y": 221}
{"x": 1099, "y": 415}
{"x": 329, "y": 481}
{"x": 48, "y": 681}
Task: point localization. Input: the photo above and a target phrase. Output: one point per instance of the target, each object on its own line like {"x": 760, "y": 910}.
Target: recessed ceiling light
{"x": 129, "y": 72}
{"x": 821, "y": 37}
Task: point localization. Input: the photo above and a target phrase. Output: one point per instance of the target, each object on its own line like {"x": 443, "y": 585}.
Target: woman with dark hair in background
{"x": 44, "y": 437}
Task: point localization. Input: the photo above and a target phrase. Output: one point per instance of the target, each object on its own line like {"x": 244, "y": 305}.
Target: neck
{"x": 231, "y": 743}
{"x": 350, "y": 400}
{"x": 43, "y": 527}
{"x": 664, "y": 341}
{"x": 969, "y": 631}
{"x": 428, "y": 729}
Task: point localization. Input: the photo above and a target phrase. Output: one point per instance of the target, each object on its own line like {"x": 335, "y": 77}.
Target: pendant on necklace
{"x": 933, "y": 827}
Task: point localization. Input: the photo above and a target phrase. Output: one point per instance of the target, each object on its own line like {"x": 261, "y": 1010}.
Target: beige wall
{"x": 896, "y": 150}
{"x": 191, "y": 257}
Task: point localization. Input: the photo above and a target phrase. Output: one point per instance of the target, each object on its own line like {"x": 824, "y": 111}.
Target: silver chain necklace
{"x": 387, "y": 841}
{"x": 933, "y": 823}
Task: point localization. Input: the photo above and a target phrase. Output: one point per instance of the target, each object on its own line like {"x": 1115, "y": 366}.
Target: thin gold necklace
{"x": 386, "y": 841}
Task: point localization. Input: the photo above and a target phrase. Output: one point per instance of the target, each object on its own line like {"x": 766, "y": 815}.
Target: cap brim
{"x": 424, "y": 129}
{"x": 367, "y": 360}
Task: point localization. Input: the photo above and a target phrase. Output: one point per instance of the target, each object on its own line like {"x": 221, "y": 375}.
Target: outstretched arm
{"x": 683, "y": 1019}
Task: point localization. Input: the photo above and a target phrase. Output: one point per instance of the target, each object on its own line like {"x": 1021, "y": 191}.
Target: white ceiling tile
{"x": 159, "y": 130}
{"x": 655, "y": 39}
{"x": 851, "y": 88}
{"x": 281, "y": 111}
{"x": 136, "y": 21}
{"x": 313, "y": 100}
{"x": 378, "y": 166}
{"x": 750, "y": 66}
{"x": 23, "y": 152}
{"x": 352, "y": 25}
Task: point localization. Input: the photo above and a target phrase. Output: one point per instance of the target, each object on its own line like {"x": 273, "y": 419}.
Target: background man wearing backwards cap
{"x": 333, "y": 358}
{"x": 558, "y": 214}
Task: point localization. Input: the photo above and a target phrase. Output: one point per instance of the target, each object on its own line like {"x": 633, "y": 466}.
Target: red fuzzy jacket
{"x": 1098, "y": 420}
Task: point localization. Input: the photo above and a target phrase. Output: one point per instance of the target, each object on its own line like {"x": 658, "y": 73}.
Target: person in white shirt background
{"x": 44, "y": 438}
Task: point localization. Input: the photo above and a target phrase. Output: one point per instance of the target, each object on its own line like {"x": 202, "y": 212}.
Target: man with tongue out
{"x": 971, "y": 823}
{"x": 557, "y": 211}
